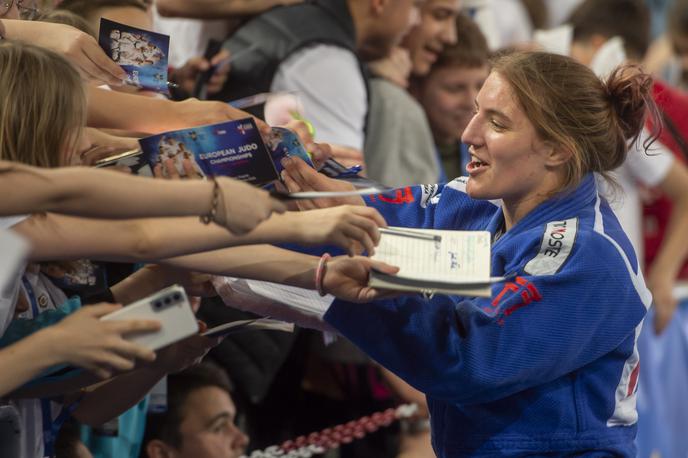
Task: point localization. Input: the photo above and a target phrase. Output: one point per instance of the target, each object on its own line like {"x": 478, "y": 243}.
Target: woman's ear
{"x": 158, "y": 449}
{"x": 555, "y": 155}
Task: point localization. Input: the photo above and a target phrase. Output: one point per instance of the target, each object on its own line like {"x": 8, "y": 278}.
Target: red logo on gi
{"x": 401, "y": 196}
{"x": 527, "y": 291}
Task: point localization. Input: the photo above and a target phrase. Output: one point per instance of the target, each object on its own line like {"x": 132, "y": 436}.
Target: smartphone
{"x": 170, "y": 307}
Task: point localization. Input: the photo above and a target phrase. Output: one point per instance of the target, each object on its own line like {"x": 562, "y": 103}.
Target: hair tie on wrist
{"x": 320, "y": 273}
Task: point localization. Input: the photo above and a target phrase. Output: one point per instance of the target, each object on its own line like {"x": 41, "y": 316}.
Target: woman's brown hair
{"x": 42, "y": 105}
{"x": 594, "y": 120}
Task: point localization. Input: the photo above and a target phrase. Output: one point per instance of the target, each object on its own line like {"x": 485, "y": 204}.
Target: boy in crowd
{"x": 199, "y": 422}
{"x": 447, "y": 93}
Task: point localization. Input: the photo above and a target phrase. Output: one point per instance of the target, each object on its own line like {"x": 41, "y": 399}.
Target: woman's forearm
{"x": 108, "y": 400}
{"x": 24, "y": 360}
{"x": 260, "y": 262}
{"x": 98, "y": 193}
{"x": 57, "y": 237}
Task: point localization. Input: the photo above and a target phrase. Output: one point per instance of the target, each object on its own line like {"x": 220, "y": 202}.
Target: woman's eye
{"x": 496, "y": 125}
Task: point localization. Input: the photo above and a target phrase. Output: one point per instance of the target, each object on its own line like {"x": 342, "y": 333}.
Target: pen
{"x": 411, "y": 234}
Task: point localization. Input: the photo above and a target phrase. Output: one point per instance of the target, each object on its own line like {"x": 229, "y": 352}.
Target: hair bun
{"x": 630, "y": 94}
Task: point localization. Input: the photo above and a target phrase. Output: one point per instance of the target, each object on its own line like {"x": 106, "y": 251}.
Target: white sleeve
{"x": 12, "y": 265}
{"x": 329, "y": 83}
{"x": 652, "y": 167}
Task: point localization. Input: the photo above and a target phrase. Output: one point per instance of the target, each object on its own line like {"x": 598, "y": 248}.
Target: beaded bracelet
{"x": 320, "y": 274}
{"x": 331, "y": 438}
{"x": 211, "y": 216}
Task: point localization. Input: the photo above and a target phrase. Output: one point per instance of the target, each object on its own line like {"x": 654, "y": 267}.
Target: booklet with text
{"x": 435, "y": 261}
{"x": 235, "y": 149}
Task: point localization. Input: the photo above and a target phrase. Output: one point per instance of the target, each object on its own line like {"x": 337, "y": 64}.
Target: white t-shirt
{"x": 640, "y": 168}
{"x": 8, "y": 297}
{"x": 48, "y": 297}
{"x": 329, "y": 84}
{"x": 512, "y": 21}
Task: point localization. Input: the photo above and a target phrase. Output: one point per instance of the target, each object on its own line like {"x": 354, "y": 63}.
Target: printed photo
{"x": 141, "y": 53}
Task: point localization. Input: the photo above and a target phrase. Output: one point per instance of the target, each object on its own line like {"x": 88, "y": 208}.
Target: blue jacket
{"x": 548, "y": 365}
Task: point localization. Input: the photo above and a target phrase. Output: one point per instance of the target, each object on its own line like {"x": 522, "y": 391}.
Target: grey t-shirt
{"x": 399, "y": 148}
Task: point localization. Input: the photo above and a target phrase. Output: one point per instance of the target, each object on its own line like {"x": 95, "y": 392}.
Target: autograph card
{"x": 283, "y": 143}
{"x": 234, "y": 149}
{"x": 141, "y": 53}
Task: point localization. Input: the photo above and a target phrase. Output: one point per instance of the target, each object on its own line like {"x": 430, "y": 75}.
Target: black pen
{"x": 410, "y": 234}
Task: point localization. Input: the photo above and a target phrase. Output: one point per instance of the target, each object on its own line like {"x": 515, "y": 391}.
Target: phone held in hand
{"x": 170, "y": 307}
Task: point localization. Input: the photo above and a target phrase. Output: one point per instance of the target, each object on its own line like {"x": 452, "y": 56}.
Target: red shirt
{"x": 657, "y": 206}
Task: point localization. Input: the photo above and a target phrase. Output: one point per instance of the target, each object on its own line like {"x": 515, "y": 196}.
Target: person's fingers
{"x": 198, "y": 64}
{"x": 370, "y": 228}
{"x": 368, "y": 212}
{"x": 101, "y": 372}
{"x": 382, "y": 267}
{"x": 277, "y": 207}
{"x": 303, "y": 174}
{"x": 89, "y": 71}
{"x": 320, "y": 152}
{"x": 293, "y": 182}
{"x": 122, "y": 327}
{"x": 99, "y": 310}
{"x": 130, "y": 350}
{"x": 195, "y": 303}
{"x": 100, "y": 65}
{"x": 189, "y": 169}
{"x": 221, "y": 56}
{"x": 171, "y": 168}
{"x": 369, "y": 294}
{"x": 117, "y": 361}
{"x": 157, "y": 171}
{"x": 356, "y": 234}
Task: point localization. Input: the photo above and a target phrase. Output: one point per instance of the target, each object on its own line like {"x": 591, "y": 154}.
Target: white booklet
{"x": 435, "y": 261}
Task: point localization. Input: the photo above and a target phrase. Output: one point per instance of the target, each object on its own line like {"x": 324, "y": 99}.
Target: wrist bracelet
{"x": 211, "y": 216}
{"x": 320, "y": 273}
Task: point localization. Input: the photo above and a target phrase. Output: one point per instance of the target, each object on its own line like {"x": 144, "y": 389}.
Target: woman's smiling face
{"x": 509, "y": 161}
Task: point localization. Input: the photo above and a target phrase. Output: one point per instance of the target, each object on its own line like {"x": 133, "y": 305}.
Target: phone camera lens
{"x": 167, "y": 301}
{"x": 177, "y": 296}
{"x": 157, "y": 304}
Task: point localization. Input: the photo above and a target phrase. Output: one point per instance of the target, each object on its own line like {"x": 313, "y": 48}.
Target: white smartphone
{"x": 170, "y": 307}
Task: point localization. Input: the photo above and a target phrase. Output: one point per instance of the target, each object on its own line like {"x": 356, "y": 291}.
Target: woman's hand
{"x": 396, "y": 68}
{"x": 320, "y": 152}
{"x": 664, "y": 301}
{"x": 187, "y": 74}
{"x": 299, "y": 177}
{"x": 242, "y": 207}
{"x": 78, "y": 47}
{"x": 347, "y": 278}
{"x": 352, "y": 228}
{"x": 84, "y": 340}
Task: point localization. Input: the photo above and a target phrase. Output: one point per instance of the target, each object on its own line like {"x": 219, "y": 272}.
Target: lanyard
{"x": 52, "y": 428}
{"x": 32, "y": 296}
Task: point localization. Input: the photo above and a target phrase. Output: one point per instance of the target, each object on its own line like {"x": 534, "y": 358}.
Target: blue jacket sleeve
{"x": 437, "y": 206}
{"x": 533, "y": 330}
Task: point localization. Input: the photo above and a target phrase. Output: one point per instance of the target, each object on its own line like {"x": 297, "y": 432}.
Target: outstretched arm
{"x": 213, "y": 9}
{"x": 106, "y": 194}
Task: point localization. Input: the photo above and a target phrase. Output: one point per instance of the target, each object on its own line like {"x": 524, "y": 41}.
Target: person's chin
{"x": 477, "y": 190}
{"x": 421, "y": 67}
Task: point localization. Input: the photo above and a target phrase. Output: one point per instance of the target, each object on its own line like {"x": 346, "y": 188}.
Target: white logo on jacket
{"x": 429, "y": 191}
{"x": 556, "y": 246}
